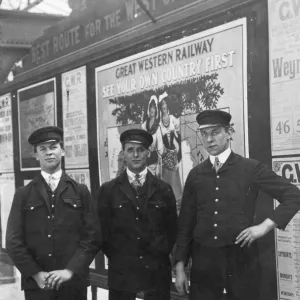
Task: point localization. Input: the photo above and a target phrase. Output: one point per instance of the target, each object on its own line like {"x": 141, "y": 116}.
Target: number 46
{"x": 283, "y": 126}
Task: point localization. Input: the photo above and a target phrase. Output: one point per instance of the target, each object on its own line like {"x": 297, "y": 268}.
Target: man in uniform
{"x": 52, "y": 232}
{"x": 217, "y": 214}
{"x": 138, "y": 218}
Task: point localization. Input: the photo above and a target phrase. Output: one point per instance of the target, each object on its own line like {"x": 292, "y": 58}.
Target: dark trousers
{"x": 232, "y": 268}
{"x": 154, "y": 295}
{"x": 64, "y": 293}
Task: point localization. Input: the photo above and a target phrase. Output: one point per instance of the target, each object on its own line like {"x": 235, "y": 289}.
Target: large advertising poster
{"x": 6, "y": 138}
{"x": 163, "y": 89}
{"x": 37, "y": 108}
{"x": 74, "y": 98}
{"x": 284, "y": 41}
{"x": 287, "y": 241}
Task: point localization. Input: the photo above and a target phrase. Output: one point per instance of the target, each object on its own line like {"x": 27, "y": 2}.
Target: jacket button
{"x": 137, "y": 208}
{"x": 75, "y": 205}
{"x": 31, "y": 207}
{"x": 138, "y": 237}
{"x": 217, "y": 200}
{"x": 137, "y": 219}
{"x": 49, "y": 235}
{"x": 216, "y": 212}
{"x": 52, "y": 205}
{"x": 215, "y": 237}
{"x": 218, "y": 176}
{"x": 49, "y": 217}
{"x": 215, "y": 225}
{"x": 50, "y": 254}
{"x": 141, "y": 257}
{"x": 217, "y": 188}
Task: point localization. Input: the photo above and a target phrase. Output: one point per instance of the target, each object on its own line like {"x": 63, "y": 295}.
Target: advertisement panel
{"x": 6, "y": 135}
{"x": 284, "y": 43}
{"x": 287, "y": 241}
{"x": 36, "y": 109}
{"x": 163, "y": 89}
{"x": 74, "y": 98}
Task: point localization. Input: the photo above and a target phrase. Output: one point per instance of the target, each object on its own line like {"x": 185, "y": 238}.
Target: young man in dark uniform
{"x": 52, "y": 232}
{"x": 138, "y": 219}
{"x": 217, "y": 214}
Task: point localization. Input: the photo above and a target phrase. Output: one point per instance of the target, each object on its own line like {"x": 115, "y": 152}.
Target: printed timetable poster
{"x": 74, "y": 97}
{"x": 7, "y": 191}
{"x": 284, "y": 43}
{"x": 287, "y": 241}
{"x": 36, "y": 109}
{"x": 163, "y": 89}
{"x": 6, "y": 135}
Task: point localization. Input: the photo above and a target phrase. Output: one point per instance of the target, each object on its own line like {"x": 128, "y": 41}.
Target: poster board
{"x": 284, "y": 72}
{"x": 178, "y": 79}
{"x": 6, "y": 135}
{"x": 287, "y": 246}
{"x": 74, "y": 99}
{"x": 36, "y": 109}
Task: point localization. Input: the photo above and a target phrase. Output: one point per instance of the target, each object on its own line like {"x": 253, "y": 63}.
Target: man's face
{"x": 216, "y": 139}
{"x": 135, "y": 156}
{"x": 49, "y": 155}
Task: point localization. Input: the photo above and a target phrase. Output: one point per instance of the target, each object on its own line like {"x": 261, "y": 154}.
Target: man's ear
{"x": 62, "y": 152}
{"x": 230, "y": 133}
{"x": 149, "y": 153}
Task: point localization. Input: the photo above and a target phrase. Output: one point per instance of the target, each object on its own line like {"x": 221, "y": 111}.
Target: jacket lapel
{"x": 228, "y": 163}
{"x": 62, "y": 185}
{"x": 126, "y": 188}
{"x": 151, "y": 182}
{"x": 151, "y": 188}
{"x": 40, "y": 186}
{"x": 207, "y": 166}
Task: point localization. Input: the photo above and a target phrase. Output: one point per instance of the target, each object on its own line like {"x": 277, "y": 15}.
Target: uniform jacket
{"x": 41, "y": 239}
{"x": 217, "y": 207}
{"x": 137, "y": 238}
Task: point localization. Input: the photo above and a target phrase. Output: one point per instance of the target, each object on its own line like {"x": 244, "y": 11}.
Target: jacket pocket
{"x": 73, "y": 202}
{"x": 33, "y": 206}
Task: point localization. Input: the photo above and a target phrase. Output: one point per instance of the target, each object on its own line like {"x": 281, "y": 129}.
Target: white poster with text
{"x": 74, "y": 97}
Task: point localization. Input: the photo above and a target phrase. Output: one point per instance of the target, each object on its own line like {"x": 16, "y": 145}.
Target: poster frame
{"x": 11, "y": 169}
{"x": 71, "y": 165}
{"x": 242, "y": 21}
{"x": 55, "y": 115}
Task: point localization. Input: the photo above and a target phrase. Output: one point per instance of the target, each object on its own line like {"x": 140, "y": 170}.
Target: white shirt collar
{"x": 56, "y": 175}
{"x": 222, "y": 156}
{"x": 131, "y": 175}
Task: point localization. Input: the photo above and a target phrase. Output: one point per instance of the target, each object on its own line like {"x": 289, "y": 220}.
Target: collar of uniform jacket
{"x": 57, "y": 175}
{"x": 142, "y": 178}
{"x": 222, "y": 157}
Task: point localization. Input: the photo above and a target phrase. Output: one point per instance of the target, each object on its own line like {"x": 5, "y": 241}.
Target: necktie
{"x": 217, "y": 164}
{"x": 51, "y": 183}
{"x": 136, "y": 183}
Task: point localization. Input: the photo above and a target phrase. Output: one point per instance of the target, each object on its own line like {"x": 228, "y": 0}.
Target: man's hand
{"x": 40, "y": 279}
{"x": 249, "y": 235}
{"x": 181, "y": 283}
{"x": 57, "y": 277}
